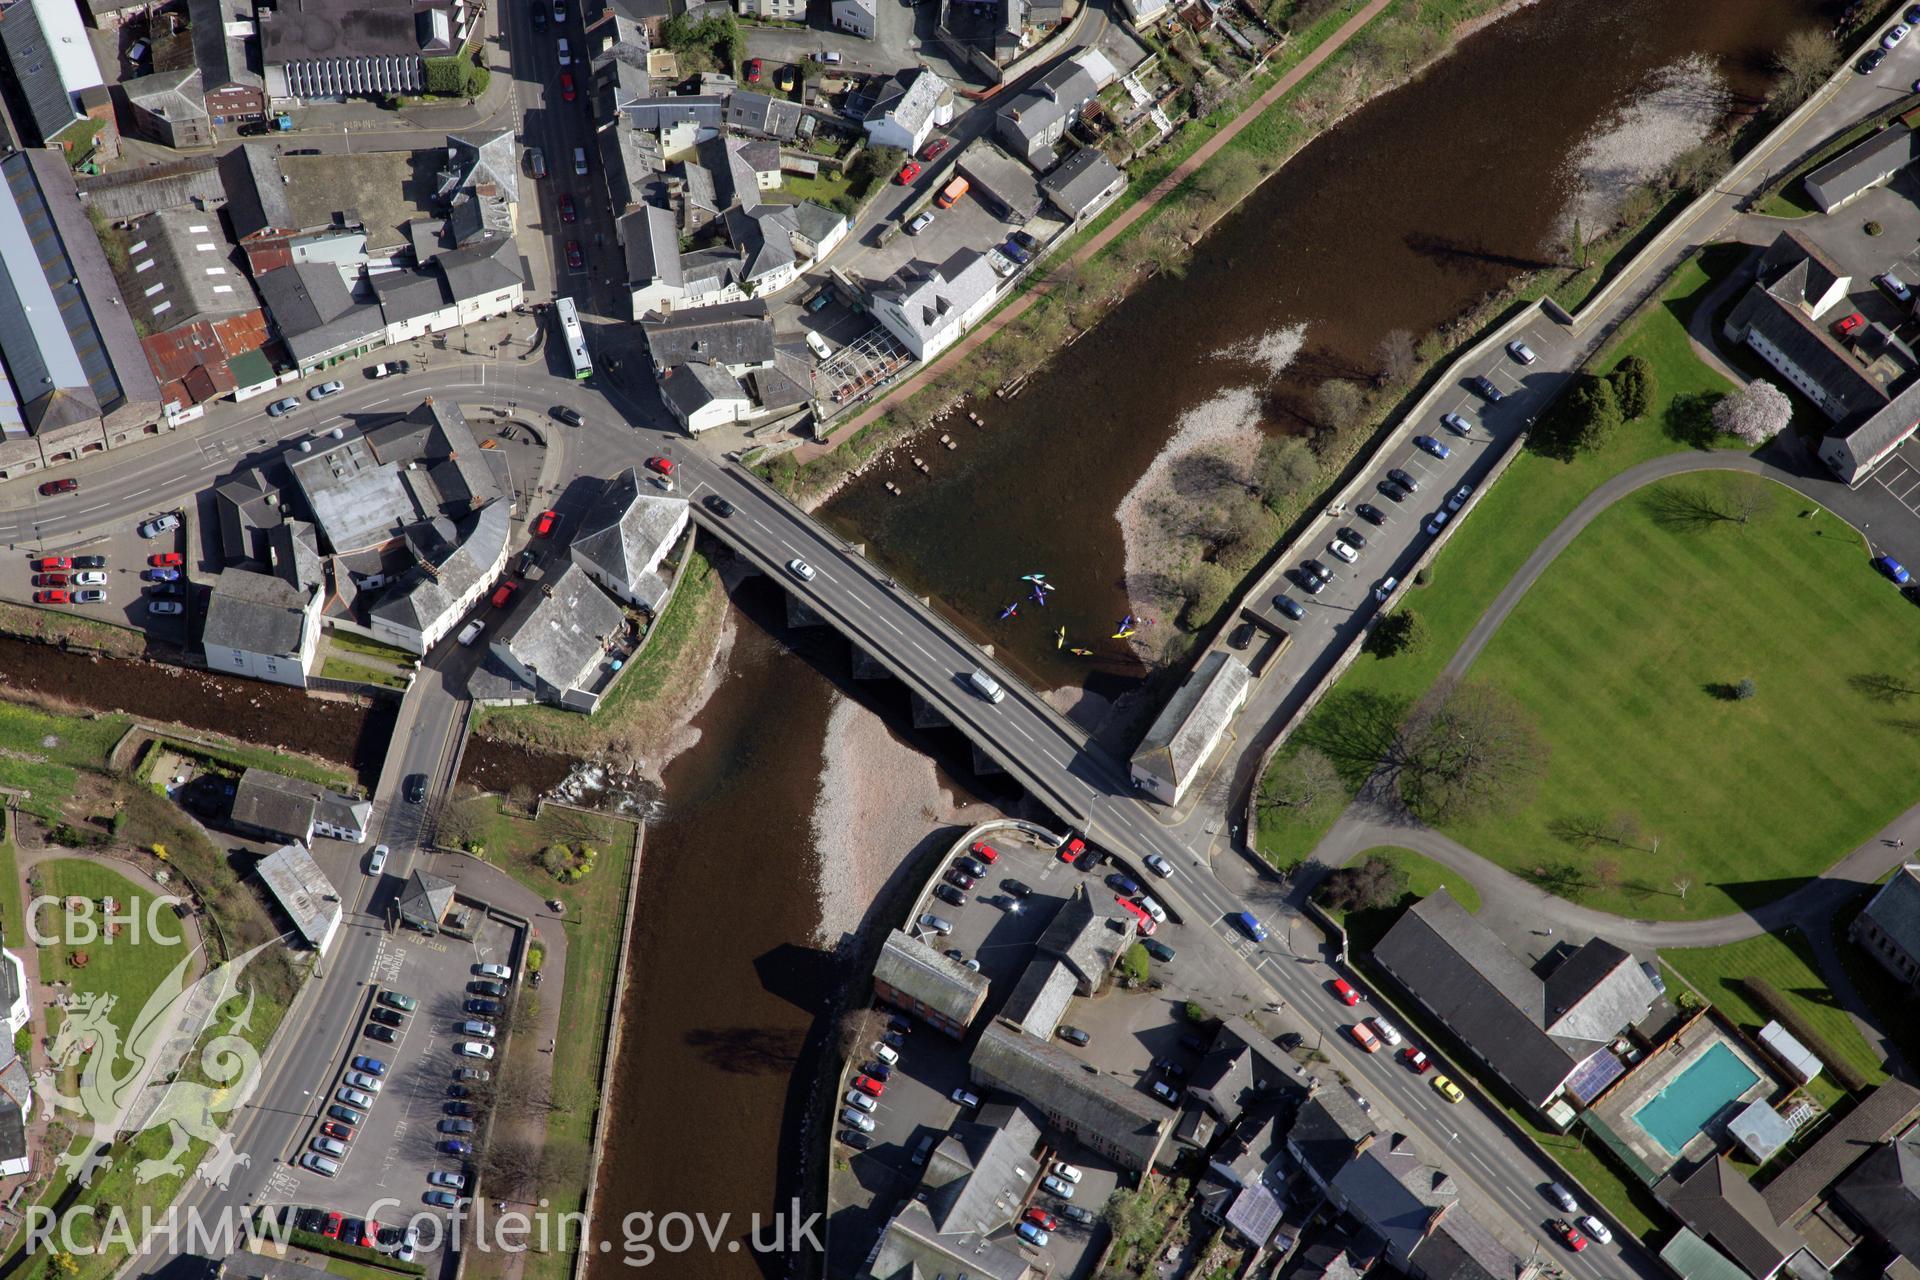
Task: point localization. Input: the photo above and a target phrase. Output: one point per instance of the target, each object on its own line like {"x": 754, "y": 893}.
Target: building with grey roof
{"x": 557, "y": 639}
{"x": 1037, "y": 118}
{"x": 1241, "y": 1069}
{"x": 1038, "y": 1002}
{"x": 1532, "y": 1033}
{"x": 1003, "y": 183}
{"x": 907, "y": 111}
{"x": 1111, "y": 1116}
{"x": 1329, "y": 1130}
{"x": 702, "y": 396}
{"x": 53, "y": 66}
{"x": 928, "y": 307}
{"x": 1888, "y": 927}
{"x": 719, "y": 364}
{"x": 263, "y": 625}
{"x": 651, "y": 241}
{"x": 1083, "y": 184}
{"x": 625, "y": 535}
{"x": 354, "y": 48}
{"x": 317, "y": 316}
{"x": 1882, "y": 1193}
{"x": 1413, "y": 1206}
{"x": 425, "y": 901}
{"x": 1862, "y": 167}
{"x": 1190, "y": 727}
{"x": 1086, "y": 939}
{"x": 170, "y": 108}
{"x": 856, "y": 17}
{"x": 1888, "y": 1110}
{"x": 77, "y": 379}
{"x": 1717, "y": 1203}
{"x": 933, "y": 987}
{"x": 305, "y": 895}
{"x": 485, "y": 277}
{"x": 226, "y": 52}
{"x": 978, "y": 1177}
{"x": 689, "y": 112}
{"x": 911, "y": 1247}
{"x": 763, "y": 115}
{"x": 257, "y": 205}
{"x": 292, "y": 810}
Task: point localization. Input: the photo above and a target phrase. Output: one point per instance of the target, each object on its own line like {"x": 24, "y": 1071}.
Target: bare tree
{"x": 511, "y": 1166}
{"x": 457, "y": 820}
{"x": 568, "y": 825}
{"x": 1467, "y": 747}
{"x": 1752, "y": 498}
{"x": 1398, "y": 359}
{"x": 858, "y": 1030}
{"x": 1804, "y": 60}
{"x": 523, "y": 1014}
{"x": 1883, "y": 686}
{"x": 1302, "y": 781}
{"x": 1756, "y": 413}
{"x": 1338, "y": 403}
{"x": 1681, "y": 884}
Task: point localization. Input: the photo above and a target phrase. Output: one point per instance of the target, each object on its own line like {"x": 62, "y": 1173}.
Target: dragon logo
{"x": 126, "y": 1089}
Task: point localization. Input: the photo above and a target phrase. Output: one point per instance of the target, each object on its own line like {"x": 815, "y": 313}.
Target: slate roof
{"x": 302, "y": 890}
{"x": 652, "y": 244}
{"x": 1039, "y": 1000}
{"x": 263, "y": 801}
{"x": 1859, "y": 167}
{"x": 910, "y": 101}
{"x": 1191, "y": 722}
{"x": 1895, "y": 909}
{"x": 1810, "y": 347}
{"x": 933, "y": 297}
{"x": 1869, "y": 435}
{"x": 173, "y": 95}
{"x": 1457, "y": 967}
{"x": 912, "y": 1248}
{"x": 762, "y": 114}
{"x": 627, "y": 528}
{"x": 1692, "y": 1258}
{"x": 1885, "y": 1111}
{"x": 943, "y": 984}
{"x": 1242, "y": 1067}
{"x": 1120, "y": 1116}
{"x": 1068, "y": 84}
{"x": 691, "y": 387}
{"x": 978, "y": 1176}
{"x": 256, "y": 196}
{"x": 421, "y": 599}
{"x": 1722, "y": 1207}
{"x": 51, "y": 58}
{"x": 257, "y": 613}
{"x": 408, "y": 295}
{"x": 426, "y": 897}
{"x": 222, "y": 59}
{"x": 486, "y": 266}
{"x": 734, "y": 333}
{"x": 1883, "y": 1193}
{"x": 1079, "y": 180}
{"x": 707, "y": 111}
{"x": 1326, "y": 1129}
{"x": 563, "y": 636}
{"x": 313, "y": 310}
{"x": 1392, "y": 1189}
{"x": 1086, "y": 939}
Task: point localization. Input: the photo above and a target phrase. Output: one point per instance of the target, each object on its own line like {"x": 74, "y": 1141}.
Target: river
{"x": 1403, "y": 217}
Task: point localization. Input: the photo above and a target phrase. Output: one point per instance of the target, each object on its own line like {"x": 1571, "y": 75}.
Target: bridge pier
{"x": 866, "y": 667}
{"x": 983, "y": 763}
{"x": 799, "y": 614}
{"x": 924, "y": 715}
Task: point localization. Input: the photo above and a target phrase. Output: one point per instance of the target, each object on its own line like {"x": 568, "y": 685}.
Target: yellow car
{"x": 1448, "y": 1089}
{"x": 786, "y": 78}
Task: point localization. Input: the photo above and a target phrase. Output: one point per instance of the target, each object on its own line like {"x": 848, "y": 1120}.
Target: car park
{"x": 863, "y": 1123}
{"x": 89, "y": 562}
{"x": 372, "y": 1066}
{"x": 950, "y": 895}
{"x": 394, "y": 1000}
{"x": 859, "y": 1101}
{"x": 346, "y": 1115}
{"x": 1371, "y": 514}
{"x": 94, "y": 596}
{"x": 1484, "y": 387}
{"x": 1289, "y": 606}
{"x": 354, "y": 1098}
{"x": 1310, "y": 584}
{"x": 90, "y": 578}
{"x": 319, "y": 1164}
{"x": 363, "y": 1080}
{"x": 487, "y": 987}
{"x": 1352, "y": 537}
{"x": 385, "y": 1035}
{"x": 283, "y": 406}
{"x": 1404, "y": 480}
{"x": 52, "y": 487}
{"x": 1432, "y": 446}
{"x": 1165, "y": 1092}
{"x": 984, "y": 851}
{"x": 971, "y": 866}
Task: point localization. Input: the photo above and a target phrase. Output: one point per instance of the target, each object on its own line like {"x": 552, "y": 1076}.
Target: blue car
{"x": 1245, "y": 922}
{"x": 1017, "y": 253}
{"x": 1289, "y": 606}
{"x": 1122, "y": 884}
{"x": 163, "y": 575}
{"x": 455, "y": 1147}
{"x": 1432, "y": 446}
{"x": 372, "y": 1066}
{"x": 1892, "y": 568}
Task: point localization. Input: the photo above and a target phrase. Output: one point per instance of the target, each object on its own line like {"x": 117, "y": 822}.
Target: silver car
{"x": 324, "y": 390}
{"x": 1058, "y": 1187}
{"x": 855, "y": 1098}
{"x": 800, "y": 569}
{"x": 853, "y": 1119}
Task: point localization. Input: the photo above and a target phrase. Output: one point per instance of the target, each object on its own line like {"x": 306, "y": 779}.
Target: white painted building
{"x": 1191, "y": 726}
{"x": 908, "y": 111}
{"x": 928, "y": 308}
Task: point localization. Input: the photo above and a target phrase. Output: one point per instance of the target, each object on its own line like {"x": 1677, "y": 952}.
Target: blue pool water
{"x": 1674, "y": 1115}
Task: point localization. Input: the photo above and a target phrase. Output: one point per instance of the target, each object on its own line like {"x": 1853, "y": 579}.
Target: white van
{"x": 566, "y": 52}
{"x": 986, "y": 686}
{"x": 470, "y": 632}
{"x": 885, "y": 1052}
{"x": 1388, "y": 1032}
{"x": 580, "y": 161}
{"x": 818, "y": 345}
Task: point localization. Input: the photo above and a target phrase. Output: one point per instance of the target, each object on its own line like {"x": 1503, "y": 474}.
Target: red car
{"x": 574, "y": 258}
{"x": 908, "y": 172}
{"x": 331, "y": 1229}
{"x": 935, "y": 149}
{"x": 59, "y": 486}
{"x": 49, "y": 579}
{"x": 165, "y": 560}
{"x": 503, "y": 593}
{"x": 1571, "y": 1235}
{"x": 1841, "y": 328}
{"x": 1139, "y": 913}
{"x": 662, "y": 465}
{"x": 869, "y": 1086}
{"x": 567, "y": 213}
{"x": 1344, "y": 993}
{"x": 544, "y": 525}
{"x": 567, "y": 92}
{"x": 334, "y": 1129}
{"x": 1042, "y": 1219}
{"x": 985, "y": 852}
{"x": 51, "y": 597}
{"x": 54, "y": 562}
{"x": 753, "y": 71}
{"x": 1415, "y": 1059}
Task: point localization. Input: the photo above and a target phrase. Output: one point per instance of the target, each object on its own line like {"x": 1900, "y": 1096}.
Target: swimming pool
{"x": 1674, "y": 1115}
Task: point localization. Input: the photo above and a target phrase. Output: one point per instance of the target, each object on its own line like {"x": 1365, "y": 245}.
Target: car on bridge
{"x": 800, "y": 569}
{"x": 1159, "y": 866}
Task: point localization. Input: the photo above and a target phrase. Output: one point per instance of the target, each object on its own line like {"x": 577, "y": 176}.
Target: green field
{"x": 1627, "y": 652}
{"x": 1511, "y": 520}
{"x": 1785, "y": 961}
{"x": 1424, "y": 875}
{"x": 123, "y": 967}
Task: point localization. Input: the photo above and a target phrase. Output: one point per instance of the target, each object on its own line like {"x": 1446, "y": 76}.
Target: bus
{"x": 576, "y": 340}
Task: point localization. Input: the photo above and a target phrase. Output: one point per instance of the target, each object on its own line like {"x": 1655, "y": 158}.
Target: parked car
{"x": 158, "y": 575}
{"x": 90, "y": 578}
{"x": 1122, "y": 883}
{"x": 855, "y": 1120}
{"x": 1370, "y": 513}
{"x": 543, "y": 526}
{"x": 1416, "y": 1061}
{"x": 859, "y": 1101}
{"x": 364, "y": 1080}
{"x": 568, "y": 90}
{"x": 1521, "y": 351}
{"x": 1437, "y": 523}
{"x": 52, "y": 487}
{"x": 1459, "y": 498}
{"x": 1392, "y": 491}
{"x": 319, "y": 1164}
{"x": 1157, "y": 949}
{"x": 480, "y": 1004}
{"x": 1289, "y": 606}
{"x": 165, "y": 608}
{"x": 1432, "y": 446}
{"x": 950, "y": 895}
{"x": 1894, "y": 287}
{"x": 385, "y": 1035}
{"x": 92, "y": 596}
{"x": 283, "y": 406}
{"x": 325, "y": 389}
{"x": 1033, "y": 1235}
{"x": 394, "y": 1000}
{"x": 1562, "y": 1197}
{"x": 456, "y": 1147}
{"x": 935, "y": 149}
{"x": 576, "y": 259}
{"x": 51, "y": 580}
{"x": 89, "y": 562}
{"x": 1384, "y": 588}
{"x": 1352, "y": 537}
{"x": 965, "y": 1099}
{"x": 354, "y": 1098}
{"x": 568, "y": 212}
{"x": 936, "y": 924}
{"x": 1484, "y": 387}
{"x": 856, "y": 1139}
{"x": 908, "y": 172}
{"x": 754, "y": 66}
{"x": 372, "y": 1066}
{"x": 1456, "y": 424}
{"x": 1892, "y": 568}
{"x": 1404, "y": 480}
{"x": 1596, "y": 1229}
{"x": 1073, "y": 1036}
{"x": 1845, "y": 325}
{"x": 1058, "y": 1187}
{"x": 448, "y": 1178}
{"x": 488, "y": 987}
{"x": 1341, "y": 551}
{"x": 920, "y": 223}
{"x": 160, "y": 524}
{"x": 475, "y": 1049}
{"x": 1870, "y": 61}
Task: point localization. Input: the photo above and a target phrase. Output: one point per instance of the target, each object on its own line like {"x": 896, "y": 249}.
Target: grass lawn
{"x": 1423, "y": 874}
{"x": 595, "y": 912}
{"x": 1626, "y": 651}
{"x": 1512, "y": 519}
{"x": 41, "y": 752}
{"x": 1785, "y": 961}
{"x": 128, "y": 969}
{"x": 348, "y": 642}
{"x": 822, "y": 190}
{"x": 341, "y": 669}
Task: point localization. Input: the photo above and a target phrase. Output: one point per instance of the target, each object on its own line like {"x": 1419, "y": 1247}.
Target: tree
{"x": 1694, "y": 171}
{"x": 510, "y": 1165}
{"x": 1127, "y": 1214}
{"x": 1302, "y": 781}
{"x": 1399, "y": 632}
{"x": 1884, "y": 686}
{"x": 1745, "y": 689}
{"x": 1338, "y": 403}
{"x": 1634, "y": 387}
{"x": 1208, "y": 589}
{"x": 1284, "y": 467}
{"x": 1464, "y": 748}
{"x": 1373, "y": 884}
{"x": 1751, "y": 499}
{"x": 1756, "y": 413}
{"x": 1804, "y": 60}
{"x": 1398, "y": 359}
{"x": 1583, "y": 419}
{"x": 858, "y": 1031}
{"x": 443, "y": 76}
{"x": 1134, "y": 963}
{"x": 523, "y": 1014}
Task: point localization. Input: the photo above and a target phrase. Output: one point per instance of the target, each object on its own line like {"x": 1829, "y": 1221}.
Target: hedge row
{"x": 1773, "y": 1005}
{"x": 314, "y": 1242}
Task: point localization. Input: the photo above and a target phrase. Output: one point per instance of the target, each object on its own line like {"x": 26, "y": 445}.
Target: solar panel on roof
{"x": 1591, "y": 1077}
